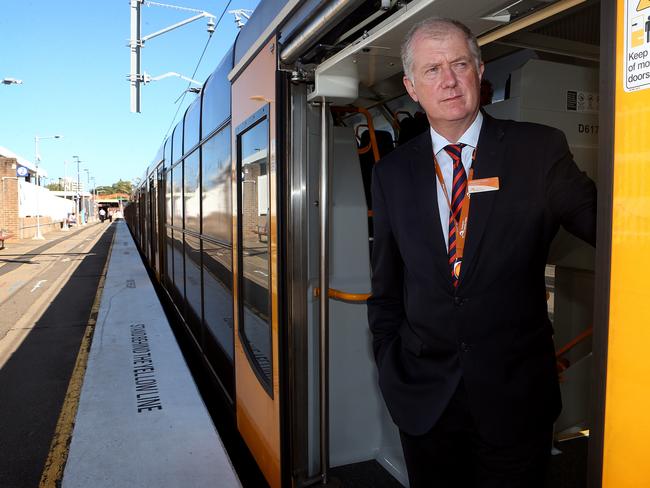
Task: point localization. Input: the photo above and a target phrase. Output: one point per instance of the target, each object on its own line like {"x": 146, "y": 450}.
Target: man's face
{"x": 445, "y": 82}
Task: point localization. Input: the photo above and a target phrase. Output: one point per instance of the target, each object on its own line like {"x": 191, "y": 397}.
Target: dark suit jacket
{"x": 492, "y": 331}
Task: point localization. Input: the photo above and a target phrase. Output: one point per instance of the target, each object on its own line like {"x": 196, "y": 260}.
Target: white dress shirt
{"x": 470, "y": 138}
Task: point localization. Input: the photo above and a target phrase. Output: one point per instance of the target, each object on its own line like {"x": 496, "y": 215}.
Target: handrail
{"x": 341, "y": 295}
{"x": 563, "y": 363}
{"x": 371, "y": 127}
{"x": 403, "y": 112}
{"x": 575, "y": 341}
{"x": 366, "y": 148}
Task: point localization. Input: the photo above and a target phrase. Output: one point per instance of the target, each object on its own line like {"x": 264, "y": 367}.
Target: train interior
{"x": 544, "y": 69}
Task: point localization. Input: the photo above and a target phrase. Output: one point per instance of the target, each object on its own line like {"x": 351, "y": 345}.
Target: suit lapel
{"x": 423, "y": 180}
{"x": 489, "y": 158}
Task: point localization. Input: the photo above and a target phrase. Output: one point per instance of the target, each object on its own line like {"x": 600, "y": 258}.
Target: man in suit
{"x": 461, "y": 334}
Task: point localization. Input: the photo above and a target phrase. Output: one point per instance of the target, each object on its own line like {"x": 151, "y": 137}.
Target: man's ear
{"x": 410, "y": 88}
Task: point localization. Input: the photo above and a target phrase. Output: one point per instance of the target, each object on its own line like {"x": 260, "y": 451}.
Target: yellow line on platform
{"x": 58, "y": 455}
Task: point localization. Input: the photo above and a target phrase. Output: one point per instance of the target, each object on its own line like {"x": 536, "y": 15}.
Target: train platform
{"x": 95, "y": 389}
{"x": 140, "y": 420}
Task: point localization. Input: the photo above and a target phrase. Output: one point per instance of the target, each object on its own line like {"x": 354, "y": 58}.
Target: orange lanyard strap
{"x": 461, "y": 225}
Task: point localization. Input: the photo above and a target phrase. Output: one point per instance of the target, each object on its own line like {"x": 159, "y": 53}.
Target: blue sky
{"x": 73, "y": 60}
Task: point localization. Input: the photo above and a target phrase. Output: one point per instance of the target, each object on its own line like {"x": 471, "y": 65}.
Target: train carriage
{"x": 255, "y": 218}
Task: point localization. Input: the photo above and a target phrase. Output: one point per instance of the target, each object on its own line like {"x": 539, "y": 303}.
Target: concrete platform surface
{"x": 140, "y": 420}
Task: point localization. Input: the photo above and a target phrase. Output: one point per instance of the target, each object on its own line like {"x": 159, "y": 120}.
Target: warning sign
{"x": 637, "y": 45}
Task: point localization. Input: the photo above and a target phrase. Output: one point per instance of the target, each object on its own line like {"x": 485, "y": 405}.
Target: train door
{"x": 540, "y": 48}
{"x": 256, "y": 267}
{"x": 160, "y": 218}
{"x": 340, "y": 423}
{"x": 142, "y": 205}
{"x": 152, "y": 211}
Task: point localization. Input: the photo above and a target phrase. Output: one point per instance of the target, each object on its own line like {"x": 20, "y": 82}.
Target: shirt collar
{"x": 470, "y": 137}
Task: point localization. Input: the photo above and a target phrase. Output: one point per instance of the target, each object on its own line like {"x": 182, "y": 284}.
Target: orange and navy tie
{"x": 459, "y": 187}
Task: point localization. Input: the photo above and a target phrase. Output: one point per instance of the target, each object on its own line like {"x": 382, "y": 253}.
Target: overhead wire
{"x": 198, "y": 64}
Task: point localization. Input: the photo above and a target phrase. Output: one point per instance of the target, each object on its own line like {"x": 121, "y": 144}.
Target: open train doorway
{"x": 549, "y": 73}
{"x": 542, "y": 64}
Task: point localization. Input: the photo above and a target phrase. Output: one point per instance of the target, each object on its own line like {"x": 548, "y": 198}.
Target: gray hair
{"x": 436, "y": 28}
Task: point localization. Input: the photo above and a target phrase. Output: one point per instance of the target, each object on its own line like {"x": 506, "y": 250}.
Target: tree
{"x": 122, "y": 186}
{"x": 54, "y": 187}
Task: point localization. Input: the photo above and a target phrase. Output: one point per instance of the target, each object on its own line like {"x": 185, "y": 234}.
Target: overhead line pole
{"x": 178, "y": 24}
{"x": 79, "y": 203}
{"x": 135, "y": 44}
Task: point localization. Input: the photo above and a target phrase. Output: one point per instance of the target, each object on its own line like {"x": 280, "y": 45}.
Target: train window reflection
{"x": 179, "y": 263}
{"x": 216, "y": 186}
{"x": 192, "y": 195}
{"x": 193, "y": 275}
{"x": 177, "y": 143}
{"x": 191, "y": 126}
{"x": 253, "y": 185}
{"x": 168, "y": 197}
{"x": 217, "y": 289}
{"x": 168, "y": 153}
{"x": 216, "y": 96}
{"x": 169, "y": 252}
{"x": 177, "y": 195}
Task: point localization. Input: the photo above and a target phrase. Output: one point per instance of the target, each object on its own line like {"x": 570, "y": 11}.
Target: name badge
{"x": 483, "y": 184}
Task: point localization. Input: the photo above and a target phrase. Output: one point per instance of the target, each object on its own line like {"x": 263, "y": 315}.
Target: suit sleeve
{"x": 570, "y": 192}
{"x": 386, "y": 303}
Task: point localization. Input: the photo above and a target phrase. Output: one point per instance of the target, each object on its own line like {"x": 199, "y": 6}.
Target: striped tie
{"x": 459, "y": 187}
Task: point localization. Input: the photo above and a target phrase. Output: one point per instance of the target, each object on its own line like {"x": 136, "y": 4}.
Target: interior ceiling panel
{"x": 581, "y": 25}
{"x": 377, "y": 56}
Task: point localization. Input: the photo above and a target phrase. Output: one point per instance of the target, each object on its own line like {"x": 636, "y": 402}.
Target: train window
{"x": 177, "y": 143}
{"x": 403, "y": 106}
{"x": 193, "y": 277}
{"x": 216, "y": 97}
{"x": 379, "y": 120}
{"x": 191, "y": 126}
{"x": 177, "y": 195}
{"x": 169, "y": 243}
{"x": 179, "y": 266}
{"x": 216, "y": 186}
{"x": 192, "y": 194}
{"x": 168, "y": 153}
{"x": 168, "y": 198}
{"x": 253, "y": 213}
{"x": 159, "y": 156}
{"x": 217, "y": 292}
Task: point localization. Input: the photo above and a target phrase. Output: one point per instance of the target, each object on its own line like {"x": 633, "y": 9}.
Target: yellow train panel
{"x": 627, "y": 423}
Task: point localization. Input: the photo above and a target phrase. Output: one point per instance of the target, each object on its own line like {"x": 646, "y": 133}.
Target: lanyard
{"x": 461, "y": 225}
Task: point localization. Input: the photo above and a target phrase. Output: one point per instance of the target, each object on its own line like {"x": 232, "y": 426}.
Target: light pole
{"x": 88, "y": 189}
{"x": 94, "y": 193}
{"x": 78, "y": 161}
{"x": 65, "y": 194}
{"x": 37, "y": 159}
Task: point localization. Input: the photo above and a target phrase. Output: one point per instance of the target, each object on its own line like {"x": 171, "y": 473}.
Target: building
{"x": 113, "y": 203}
{"x": 71, "y": 184}
{"x": 22, "y": 199}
